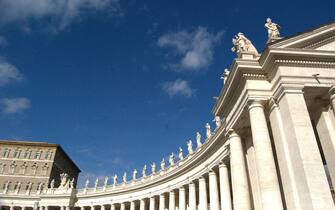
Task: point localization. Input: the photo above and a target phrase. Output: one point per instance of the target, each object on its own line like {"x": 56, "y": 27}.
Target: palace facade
{"x": 273, "y": 150}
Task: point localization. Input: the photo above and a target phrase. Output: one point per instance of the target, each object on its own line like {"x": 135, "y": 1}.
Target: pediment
{"x": 321, "y": 38}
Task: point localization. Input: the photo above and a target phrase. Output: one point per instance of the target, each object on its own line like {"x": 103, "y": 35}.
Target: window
{"x": 34, "y": 168}
{"x": 23, "y": 168}
{"x": 38, "y": 154}
{"x": 17, "y": 153}
{"x": 5, "y": 153}
{"x": 27, "y": 154}
{"x": 47, "y": 154}
{"x": 13, "y": 167}
{"x": 45, "y": 169}
{"x": 2, "y": 168}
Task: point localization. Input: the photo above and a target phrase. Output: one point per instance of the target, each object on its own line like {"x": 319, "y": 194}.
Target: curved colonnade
{"x": 271, "y": 152}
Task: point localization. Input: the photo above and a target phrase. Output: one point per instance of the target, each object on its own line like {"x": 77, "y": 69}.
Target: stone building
{"x": 272, "y": 146}
{"x": 33, "y": 165}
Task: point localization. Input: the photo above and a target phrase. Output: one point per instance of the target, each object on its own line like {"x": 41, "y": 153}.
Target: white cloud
{"x": 59, "y": 12}
{"x": 3, "y": 41}
{"x": 14, "y": 105}
{"x": 178, "y": 87}
{"x": 195, "y": 49}
{"x": 8, "y": 73}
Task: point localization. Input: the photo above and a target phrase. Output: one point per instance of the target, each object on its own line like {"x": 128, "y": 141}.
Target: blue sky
{"x": 118, "y": 83}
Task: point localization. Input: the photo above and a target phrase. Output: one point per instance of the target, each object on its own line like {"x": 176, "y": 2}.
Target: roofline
{"x": 40, "y": 144}
{"x": 299, "y": 33}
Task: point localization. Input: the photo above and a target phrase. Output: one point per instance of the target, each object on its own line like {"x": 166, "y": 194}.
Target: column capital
{"x": 231, "y": 133}
{"x": 283, "y": 89}
{"x": 253, "y": 103}
{"x": 272, "y": 103}
{"x": 222, "y": 165}
{"x": 211, "y": 172}
{"x": 331, "y": 92}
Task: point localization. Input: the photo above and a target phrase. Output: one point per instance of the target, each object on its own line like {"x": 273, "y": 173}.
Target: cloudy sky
{"x": 119, "y": 83}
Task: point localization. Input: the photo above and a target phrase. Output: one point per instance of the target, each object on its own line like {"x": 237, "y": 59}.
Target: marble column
{"x": 192, "y": 200}
{"x": 297, "y": 152}
{"x": 123, "y": 206}
{"x": 152, "y": 204}
{"x": 103, "y": 207}
{"x": 113, "y": 206}
{"x": 224, "y": 187}
{"x": 142, "y": 204}
{"x": 132, "y": 205}
{"x": 11, "y": 207}
{"x": 64, "y": 208}
{"x": 82, "y": 208}
{"x": 213, "y": 191}
{"x": 266, "y": 168}
{"x": 67, "y": 207}
{"x": 240, "y": 187}
{"x": 203, "y": 203}
{"x": 172, "y": 200}
{"x": 182, "y": 198}
{"x": 162, "y": 201}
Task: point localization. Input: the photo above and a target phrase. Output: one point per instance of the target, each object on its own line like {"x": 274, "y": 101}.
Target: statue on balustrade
{"x": 106, "y": 181}
{"x": 180, "y": 154}
{"x": 171, "y": 159}
{"x": 153, "y": 168}
{"x": 208, "y": 130}
{"x": 198, "y": 139}
{"x": 218, "y": 122}
{"x": 243, "y": 44}
{"x": 52, "y": 184}
{"x": 163, "y": 164}
{"x": 225, "y": 75}
{"x": 87, "y": 183}
{"x": 63, "y": 180}
{"x": 144, "y": 171}
{"x": 96, "y": 183}
{"x": 114, "y": 180}
{"x": 273, "y": 29}
{"x": 190, "y": 147}
{"x": 134, "y": 174}
{"x": 124, "y": 178}
{"x": 72, "y": 183}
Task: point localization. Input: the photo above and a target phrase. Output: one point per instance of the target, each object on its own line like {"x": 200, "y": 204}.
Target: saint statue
{"x": 106, "y": 181}
{"x": 199, "y": 144}
{"x": 63, "y": 180}
{"x": 225, "y": 75}
{"x": 218, "y": 121}
{"x": 171, "y": 159}
{"x": 190, "y": 147}
{"x": 208, "y": 130}
{"x": 153, "y": 168}
{"x": 72, "y": 183}
{"x": 134, "y": 174}
{"x": 124, "y": 178}
{"x": 96, "y": 183}
{"x": 144, "y": 171}
{"x": 163, "y": 164}
{"x": 273, "y": 29}
{"x": 52, "y": 184}
{"x": 115, "y": 180}
{"x": 86, "y": 183}
{"x": 243, "y": 44}
{"x": 180, "y": 154}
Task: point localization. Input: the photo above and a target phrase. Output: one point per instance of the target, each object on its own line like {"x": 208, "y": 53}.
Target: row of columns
{"x": 219, "y": 190}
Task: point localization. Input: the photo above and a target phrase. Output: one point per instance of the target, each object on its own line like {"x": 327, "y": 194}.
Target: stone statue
{"x": 124, "y": 178}
{"x": 134, "y": 174}
{"x": 144, "y": 171}
{"x": 208, "y": 130}
{"x": 163, "y": 164}
{"x": 72, "y": 183}
{"x": 63, "y": 180}
{"x": 171, "y": 159}
{"x": 153, "y": 168}
{"x": 96, "y": 183}
{"x": 106, "y": 181}
{"x": 273, "y": 29}
{"x": 52, "y": 184}
{"x": 114, "y": 180}
{"x": 180, "y": 154}
{"x": 86, "y": 183}
{"x": 199, "y": 144}
{"x": 190, "y": 147}
{"x": 218, "y": 122}
{"x": 243, "y": 44}
{"x": 225, "y": 76}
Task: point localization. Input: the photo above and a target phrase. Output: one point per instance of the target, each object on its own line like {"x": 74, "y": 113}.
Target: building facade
{"x": 30, "y": 167}
{"x": 272, "y": 148}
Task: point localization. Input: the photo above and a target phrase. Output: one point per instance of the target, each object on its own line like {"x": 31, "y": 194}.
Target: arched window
{"x": 34, "y": 168}
{"x": 13, "y": 167}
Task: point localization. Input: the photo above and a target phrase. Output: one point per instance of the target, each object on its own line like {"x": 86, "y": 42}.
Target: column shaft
{"x": 152, "y": 204}
{"x": 192, "y": 197}
{"x": 103, "y": 207}
{"x": 240, "y": 187}
{"x": 112, "y": 206}
{"x": 123, "y": 206}
{"x": 172, "y": 200}
{"x": 182, "y": 199}
{"x": 132, "y": 205}
{"x": 266, "y": 168}
{"x": 142, "y": 204}
{"x": 203, "y": 203}
{"x": 213, "y": 191}
{"x": 162, "y": 202}
{"x": 224, "y": 188}
{"x": 82, "y": 208}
